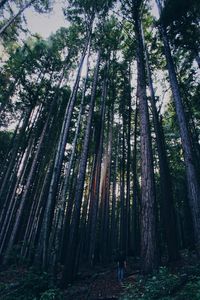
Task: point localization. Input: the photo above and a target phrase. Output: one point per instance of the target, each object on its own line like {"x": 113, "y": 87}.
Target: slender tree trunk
{"x": 12, "y": 210}
{"x": 123, "y": 215}
{"x": 94, "y": 201}
{"x": 105, "y": 192}
{"x": 128, "y": 169}
{"x": 35, "y": 242}
{"x": 14, "y": 154}
{"x": 71, "y": 161}
{"x": 167, "y": 201}
{"x": 23, "y": 202}
{"x": 148, "y": 221}
{"x": 113, "y": 242}
{"x": 58, "y": 237}
{"x": 59, "y": 158}
{"x": 68, "y": 215}
{"x": 3, "y": 29}
{"x": 198, "y": 60}
{"x": 84, "y": 218}
{"x": 17, "y": 169}
{"x": 29, "y": 180}
{"x": 72, "y": 247}
{"x": 192, "y": 178}
{"x": 136, "y": 193}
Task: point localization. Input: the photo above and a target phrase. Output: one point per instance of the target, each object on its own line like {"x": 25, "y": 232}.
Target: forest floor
{"x": 180, "y": 281}
{"x": 102, "y": 285}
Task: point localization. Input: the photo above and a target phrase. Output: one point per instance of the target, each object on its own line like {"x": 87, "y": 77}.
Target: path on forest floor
{"x": 104, "y": 286}
{"x": 99, "y": 283}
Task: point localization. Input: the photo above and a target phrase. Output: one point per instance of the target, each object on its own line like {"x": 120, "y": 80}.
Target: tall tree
{"x": 148, "y": 221}
{"x": 192, "y": 178}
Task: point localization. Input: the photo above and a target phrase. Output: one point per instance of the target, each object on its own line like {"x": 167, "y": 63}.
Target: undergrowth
{"x": 165, "y": 285}
{"x": 32, "y": 286}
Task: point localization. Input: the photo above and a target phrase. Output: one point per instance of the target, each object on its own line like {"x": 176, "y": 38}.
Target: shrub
{"x": 51, "y": 294}
{"x": 160, "y": 285}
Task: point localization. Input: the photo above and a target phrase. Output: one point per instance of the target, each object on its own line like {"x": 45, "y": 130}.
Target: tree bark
{"x": 105, "y": 194}
{"x": 136, "y": 195}
{"x": 94, "y": 197}
{"x": 192, "y": 178}
{"x": 113, "y": 239}
{"x": 68, "y": 273}
{"x": 167, "y": 201}
{"x": 74, "y": 144}
{"x": 148, "y": 220}
{"x": 59, "y": 158}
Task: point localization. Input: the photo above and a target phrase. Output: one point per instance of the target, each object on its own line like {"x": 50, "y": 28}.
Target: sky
{"x": 45, "y": 24}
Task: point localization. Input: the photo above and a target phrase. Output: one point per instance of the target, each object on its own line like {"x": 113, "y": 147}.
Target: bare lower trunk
{"x": 113, "y": 241}
{"x": 105, "y": 195}
{"x": 94, "y": 202}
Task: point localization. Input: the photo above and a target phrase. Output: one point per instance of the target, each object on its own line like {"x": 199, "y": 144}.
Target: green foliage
{"x": 51, "y": 294}
{"x": 176, "y": 10}
{"x": 165, "y": 285}
{"x": 160, "y": 284}
{"x": 33, "y": 285}
{"x": 190, "y": 291}
{"x": 43, "y": 6}
{"x": 32, "y": 73}
{"x": 5, "y": 139}
{"x": 181, "y": 18}
{"x": 109, "y": 36}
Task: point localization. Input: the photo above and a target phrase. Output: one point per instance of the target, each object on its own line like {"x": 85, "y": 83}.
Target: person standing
{"x": 121, "y": 266}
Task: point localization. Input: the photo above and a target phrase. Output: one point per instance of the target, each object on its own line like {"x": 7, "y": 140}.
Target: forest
{"x": 100, "y": 151}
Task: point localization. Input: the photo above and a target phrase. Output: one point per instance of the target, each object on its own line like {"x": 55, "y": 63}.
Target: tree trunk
{"x": 113, "y": 240}
{"x": 71, "y": 161}
{"x": 148, "y": 219}
{"x": 14, "y": 154}
{"x": 123, "y": 215}
{"x": 105, "y": 194}
{"x": 13, "y": 208}
{"x": 128, "y": 164}
{"x": 59, "y": 158}
{"x": 73, "y": 241}
{"x": 26, "y": 191}
{"x": 198, "y": 60}
{"x": 3, "y": 29}
{"x": 136, "y": 191}
{"x": 192, "y": 178}
{"x": 94, "y": 198}
{"x": 167, "y": 201}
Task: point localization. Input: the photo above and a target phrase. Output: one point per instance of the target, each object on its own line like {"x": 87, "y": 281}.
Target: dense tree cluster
{"x": 105, "y": 151}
